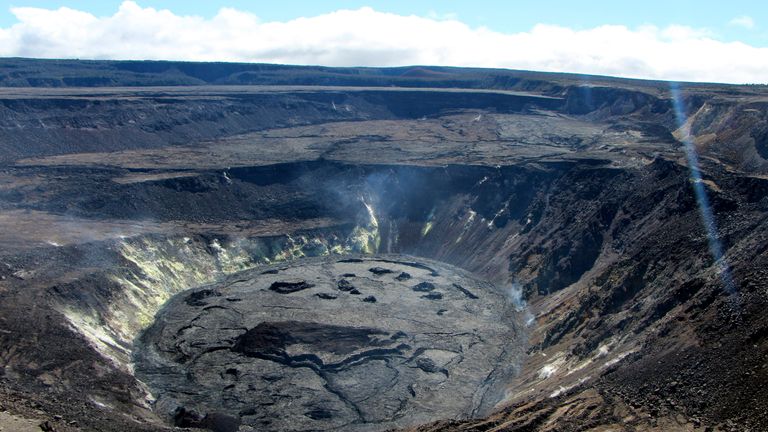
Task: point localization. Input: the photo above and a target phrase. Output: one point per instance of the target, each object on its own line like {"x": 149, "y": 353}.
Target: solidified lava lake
{"x": 335, "y": 343}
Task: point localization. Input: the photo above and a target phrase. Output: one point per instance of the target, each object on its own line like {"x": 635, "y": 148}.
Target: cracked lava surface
{"x": 333, "y": 343}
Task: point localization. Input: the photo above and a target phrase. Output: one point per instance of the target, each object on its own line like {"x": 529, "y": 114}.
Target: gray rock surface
{"x": 320, "y": 358}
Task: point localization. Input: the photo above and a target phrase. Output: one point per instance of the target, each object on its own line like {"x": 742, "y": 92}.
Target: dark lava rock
{"x": 433, "y": 296}
{"x": 345, "y": 285}
{"x": 349, "y": 275}
{"x": 46, "y": 426}
{"x": 427, "y": 365}
{"x": 414, "y": 264}
{"x": 214, "y": 422}
{"x": 466, "y": 292}
{"x": 319, "y": 414}
{"x": 370, "y": 299}
{"x": 424, "y": 287}
{"x": 403, "y": 276}
{"x": 270, "y": 340}
{"x": 270, "y": 271}
{"x": 355, "y": 291}
{"x": 326, "y": 296}
{"x": 378, "y": 271}
{"x": 290, "y": 286}
{"x": 196, "y": 298}
{"x": 217, "y": 422}
{"x": 351, "y": 260}
{"x": 186, "y": 418}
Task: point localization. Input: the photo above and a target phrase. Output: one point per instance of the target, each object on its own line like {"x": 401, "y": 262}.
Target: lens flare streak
{"x": 705, "y": 209}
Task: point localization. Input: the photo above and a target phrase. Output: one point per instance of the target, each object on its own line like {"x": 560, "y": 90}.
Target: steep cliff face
{"x": 734, "y": 132}
{"x": 39, "y": 123}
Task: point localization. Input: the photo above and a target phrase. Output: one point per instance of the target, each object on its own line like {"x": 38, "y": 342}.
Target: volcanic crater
{"x": 263, "y": 247}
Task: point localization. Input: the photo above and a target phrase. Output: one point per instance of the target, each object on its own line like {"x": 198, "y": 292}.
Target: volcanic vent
{"x": 346, "y": 344}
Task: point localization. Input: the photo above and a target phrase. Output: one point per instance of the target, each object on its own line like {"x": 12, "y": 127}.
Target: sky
{"x": 716, "y": 41}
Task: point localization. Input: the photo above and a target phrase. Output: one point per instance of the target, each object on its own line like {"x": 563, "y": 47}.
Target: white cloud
{"x": 365, "y": 37}
{"x": 743, "y": 21}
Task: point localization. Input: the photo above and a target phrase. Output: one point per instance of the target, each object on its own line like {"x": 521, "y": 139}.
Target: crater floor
{"x": 349, "y": 344}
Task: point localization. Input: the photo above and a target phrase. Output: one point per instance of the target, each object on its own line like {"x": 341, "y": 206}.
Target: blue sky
{"x": 502, "y": 16}
{"x": 674, "y": 39}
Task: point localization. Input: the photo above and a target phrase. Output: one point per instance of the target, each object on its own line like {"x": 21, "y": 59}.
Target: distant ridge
{"x": 23, "y": 72}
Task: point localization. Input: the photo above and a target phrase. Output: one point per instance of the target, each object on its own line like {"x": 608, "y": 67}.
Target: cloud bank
{"x": 366, "y": 37}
